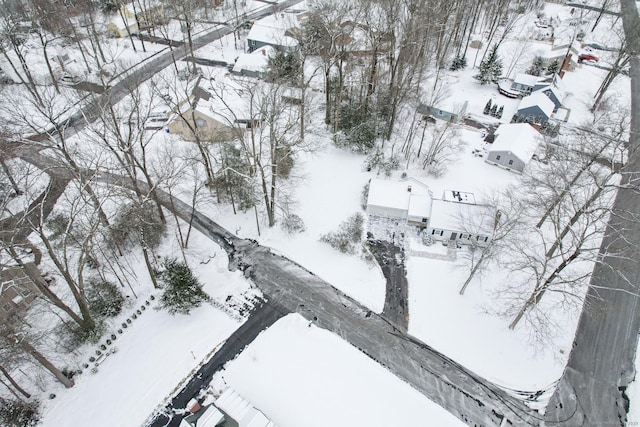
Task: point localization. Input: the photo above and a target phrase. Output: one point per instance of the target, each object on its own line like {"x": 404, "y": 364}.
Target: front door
{"x": 453, "y": 236}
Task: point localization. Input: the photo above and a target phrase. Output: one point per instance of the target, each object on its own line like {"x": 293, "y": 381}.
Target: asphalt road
{"x": 260, "y": 319}
{"x": 391, "y": 260}
{"x": 592, "y": 390}
{"x": 76, "y": 122}
{"x": 292, "y": 288}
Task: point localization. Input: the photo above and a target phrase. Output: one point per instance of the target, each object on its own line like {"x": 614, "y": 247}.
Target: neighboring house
{"x": 217, "y": 115}
{"x": 514, "y": 146}
{"x": 241, "y": 411}
{"x": 275, "y": 30}
{"x": 130, "y": 20}
{"x": 536, "y": 108}
{"x": 408, "y": 200}
{"x": 524, "y": 83}
{"x": 451, "y": 113}
{"x": 17, "y": 290}
{"x": 554, "y": 94}
{"x": 122, "y": 26}
{"x": 461, "y": 221}
{"x": 254, "y": 64}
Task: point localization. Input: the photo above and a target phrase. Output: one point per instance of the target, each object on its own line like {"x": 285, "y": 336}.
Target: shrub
{"x": 292, "y": 223}
{"x": 182, "y": 289}
{"x": 348, "y": 238}
{"x": 19, "y": 414}
{"x": 105, "y": 299}
{"x": 459, "y": 63}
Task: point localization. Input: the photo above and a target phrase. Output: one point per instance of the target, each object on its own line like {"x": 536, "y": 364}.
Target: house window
{"x": 510, "y": 162}
{"x": 424, "y": 220}
{"x": 441, "y": 232}
{"x": 464, "y": 236}
{"x": 486, "y": 238}
{"x": 433, "y": 232}
{"x": 201, "y": 123}
{"x": 498, "y": 157}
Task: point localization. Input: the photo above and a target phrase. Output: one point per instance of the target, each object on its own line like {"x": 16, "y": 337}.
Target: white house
{"x": 253, "y": 64}
{"x": 408, "y": 200}
{"x": 275, "y": 30}
{"x": 514, "y": 146}
{"x": 461, "y": 220}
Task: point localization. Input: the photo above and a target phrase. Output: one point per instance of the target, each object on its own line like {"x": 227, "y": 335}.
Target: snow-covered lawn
{"x": 300, "y": 375}
{"x": 153, "y": 357}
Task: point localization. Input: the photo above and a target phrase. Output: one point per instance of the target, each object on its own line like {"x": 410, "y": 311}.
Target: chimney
{"x": 409, "y": 189}
{"x": 264, "y": 52}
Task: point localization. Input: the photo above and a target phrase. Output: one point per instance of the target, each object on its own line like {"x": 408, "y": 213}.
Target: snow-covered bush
{"x": 105, "y": 299}
{"x": 348, "y": 237}
{"x": 458, "y": 63}
{"x": 137, "y": 224}
{"x": 292, "y": 224}
{"x": 365, "y": 196}
{"x": 14, "y": 413}
{"x": 182, "y": 289}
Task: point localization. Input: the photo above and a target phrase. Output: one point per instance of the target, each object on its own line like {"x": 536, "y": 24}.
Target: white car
{"x": 68, "y": 79}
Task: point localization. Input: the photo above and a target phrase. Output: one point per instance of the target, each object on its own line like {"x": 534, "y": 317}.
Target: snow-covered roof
{"x": 521, "y": 139}
{"x": 420, "y": 205}
{"x": 463, "y": 217}
{"x": 458, "y": 196}
{"x": 272, "y": 29}
{"x": 254, "y": 61}
{"x": 538, "y": 99}
{"x": 227, "y": 101}
{"x": 395, "y": 194}
{"x": 526, "y": 79}
{"x": 241, "y": 410}
{"x": 211, "y": 417}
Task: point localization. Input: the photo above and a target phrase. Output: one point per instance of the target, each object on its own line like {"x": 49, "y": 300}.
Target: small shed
{"x": 395, "y": 199}
{"x": 535, "y": 109}
{"x": 513, "y": 146}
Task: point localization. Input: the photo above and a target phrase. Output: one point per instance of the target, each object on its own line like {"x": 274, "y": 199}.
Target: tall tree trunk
{"x": 13, "y": 382}
{"x": 68, "y": 383}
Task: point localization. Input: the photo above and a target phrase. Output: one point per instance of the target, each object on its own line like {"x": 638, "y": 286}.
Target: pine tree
{"x": 487, "y": 107}
{"x": 500, "y": 111}
{"x": 554, "y": 67}
{"x": 494, "y": 110}
{"x": 182, "y": 289}
{"x": 490, "y": 67}
{"x": 459, "y": 62}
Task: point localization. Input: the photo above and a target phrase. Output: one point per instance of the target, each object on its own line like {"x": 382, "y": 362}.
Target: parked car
{"x": 588, "y": 57}
{"x": 68, "y": 79}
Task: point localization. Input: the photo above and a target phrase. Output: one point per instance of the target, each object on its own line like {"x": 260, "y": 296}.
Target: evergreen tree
{"x": 490, "y": 67}
{"x": 494, "y": 110}
{"x": 487, "y": 107}
{"x": 554, "y": 67}
{"x": 537, "y": 67}
{"x": 182, "y": 289}
{"x": 459, "y": 63}
{"x": 500, "y": 111}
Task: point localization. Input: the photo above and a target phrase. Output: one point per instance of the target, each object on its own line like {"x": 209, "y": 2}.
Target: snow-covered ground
{"x": 322, "y": 379}
{"x": 301, "y": 375}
